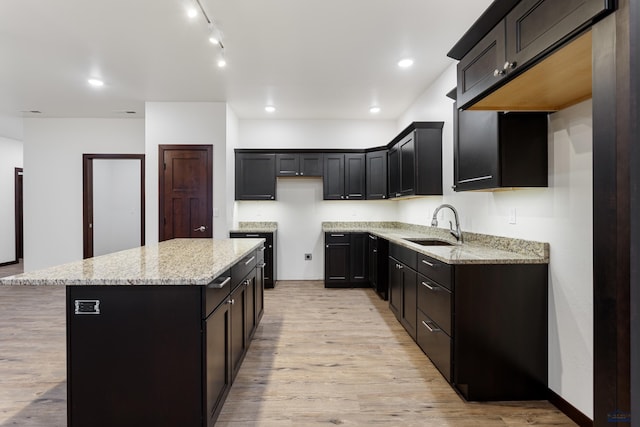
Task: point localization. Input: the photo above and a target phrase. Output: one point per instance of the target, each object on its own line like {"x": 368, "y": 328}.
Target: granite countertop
{"x": 256, "y": 227}
{"x": 476, "y": 249}
{"x": 173, "y": 262}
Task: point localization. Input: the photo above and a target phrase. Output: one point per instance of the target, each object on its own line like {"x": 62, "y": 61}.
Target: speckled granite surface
{"x": 173, "y": 262}
{"x": 256, "y": 227}
{"x": 476, "y": 249}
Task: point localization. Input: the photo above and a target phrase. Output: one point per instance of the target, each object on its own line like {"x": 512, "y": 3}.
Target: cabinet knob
{"x": 342, "y": 197}
{"x": 347, "y": 197}
{"x": 273, "y": 197}
{"x": 301, "y": 173}
{"x": 498, "y": 73}
{"x": 509, "y": 65}
{"x": 384, "y": 197}
{"x": 297, "y": 174}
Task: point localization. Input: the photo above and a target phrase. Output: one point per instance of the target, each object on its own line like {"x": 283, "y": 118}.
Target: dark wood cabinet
{"x": 269, "y": 253}
{"x": 530, "y": 31}
{"x": 496, "y": 150}
{"x": 346, "y": 260}
{"x": 378, "y": 265}
{"x": 415, "y": 161}
{"x": 344, "y": 176}
{"x": 190, "y": 339}
{"x": 255, "y": 176}
{"x": 376, "y": 174}
{"x": 403, "y": 280}
{"x": 299, "y": 164}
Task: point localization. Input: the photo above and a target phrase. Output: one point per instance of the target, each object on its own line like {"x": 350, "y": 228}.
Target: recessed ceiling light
{"x": 405, "y": 63}
{"x": 270, "y": 109}
{"x": 222, "y": 63}
{"x": 95, "y": 82}
{"x": 374, "y": 110}
{"x": 192, "y": 12}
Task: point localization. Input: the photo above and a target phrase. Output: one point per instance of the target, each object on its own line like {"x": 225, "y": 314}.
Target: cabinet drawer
{"x": 435, "y": 301}
{"x": 336, "y": 237}
{"x": 435, "y": 343}
{"x": 404, "y": 255}
{"x": 435, "y": 270}
{"x": 243, "y": 267}
{"x": 215, "y": 294}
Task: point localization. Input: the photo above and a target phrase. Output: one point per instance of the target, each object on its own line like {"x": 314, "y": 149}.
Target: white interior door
{"x": 116, "y": 205}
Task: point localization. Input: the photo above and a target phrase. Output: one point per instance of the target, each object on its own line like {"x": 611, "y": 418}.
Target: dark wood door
{"x": 311, "y": 164}
{"x": 255, "y": 176}
{"x": 359, "y": 265}
{"x": 408, "y": 165}
{"x": 482, "y": 67}
{"x": 395, "y": 288}
{"x": 288, "y": 164}
{"x": 393, "y": 164}
{"x": 333, "y": 177}
{"x": 238, "y": 328}
{"x": 354, "y": 176}
{"x": 218, "y": 366}
{"x": 535, "y": 26}
{"x": 376, "y": 175}
{"x": 186, "y": 196}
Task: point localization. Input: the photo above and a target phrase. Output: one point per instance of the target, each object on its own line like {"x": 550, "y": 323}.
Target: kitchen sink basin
{"x": 430, "y": 242}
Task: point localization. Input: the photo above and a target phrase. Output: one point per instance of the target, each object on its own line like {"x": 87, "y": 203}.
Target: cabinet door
{"x": 354, "y": 176}
{"x": 393, "y": 164}
{"x": 373, "y": 261}
{"x": 376, "y": 174}
{"x": 255, "y": 176}
{"x": 238, "y": 341}
{"x": 250, "y": 319}
{"x": 395, "y": 288}
{"x": 336, "y": 262}
{"x": 482, "y": 67}
{"x": 476, "y": 150}
{"x": 311, "y": 164}
{"x": 333, "y": 177}
{"x": 259, "y": 300}
{"x": 359, "y": 257}
{"x": 535, "y": 26}
{"x": 408, "y": 165}
{"x": 288, "y": 164}
{"x": 218, "y": 369}
{"x": 409, "y": 300}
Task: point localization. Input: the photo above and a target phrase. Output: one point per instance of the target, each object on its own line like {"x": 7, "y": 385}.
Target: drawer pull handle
{"x": 263, "y": 265}
{"x": 372, "y": 237}
{"x": 262, "y": 249}
{"x": 426, "y": 325}
{"x": 220, "y": 285}
{"x": 233, "y": 301}
{"x": 337, "y": 235}
{"x": 480, "y": 178}
{"x": 430, "y": 264}
{"x": 252, "y": 235}
{"x": 249, "y": 260}
{"x": 431, "y": 288}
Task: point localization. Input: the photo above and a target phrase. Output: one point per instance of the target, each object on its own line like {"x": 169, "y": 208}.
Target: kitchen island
{"x": 155, "y": 335}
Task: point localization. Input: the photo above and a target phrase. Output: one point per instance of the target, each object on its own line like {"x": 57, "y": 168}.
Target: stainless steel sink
{"x": 430, "y": 242}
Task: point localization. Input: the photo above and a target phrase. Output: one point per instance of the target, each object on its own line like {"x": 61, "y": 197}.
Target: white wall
{"x": 560, "y": 214}
{"x": 299, "y": 209}
{"x": 53, "y": 151}
{"x": 197, "y": 123}
{"x": 10, "y": 158}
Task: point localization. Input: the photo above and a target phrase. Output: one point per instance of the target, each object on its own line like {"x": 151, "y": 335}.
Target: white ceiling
{"x": 317, "y": 59}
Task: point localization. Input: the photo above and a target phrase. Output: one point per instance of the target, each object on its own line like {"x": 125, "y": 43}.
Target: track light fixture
{"x": 194, "y": 7}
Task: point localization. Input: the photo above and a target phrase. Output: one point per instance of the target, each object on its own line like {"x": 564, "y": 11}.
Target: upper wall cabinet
{"x": 415, "y": 161}
{"x": 299, "y": 164}
{"x": 376, "y": 173}
{"x": 255, "y": 176}
{"x": 495, "y": 150}
{"x": 519, "y": 40}
{"x": 344, "y": 176}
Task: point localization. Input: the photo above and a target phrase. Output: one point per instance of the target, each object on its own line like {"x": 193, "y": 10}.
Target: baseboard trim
{"x": 4, "y": 264}
{"x": 569, "y": 410}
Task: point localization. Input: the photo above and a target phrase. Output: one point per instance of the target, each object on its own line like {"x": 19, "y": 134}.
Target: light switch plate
{"x": 512, "y": 216}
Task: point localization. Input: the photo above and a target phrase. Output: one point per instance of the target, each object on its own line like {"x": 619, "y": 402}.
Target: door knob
{"x": 201, "y": 229}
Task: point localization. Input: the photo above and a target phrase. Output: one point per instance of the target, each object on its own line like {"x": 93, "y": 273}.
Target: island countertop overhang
{"x": 191, "y": 262}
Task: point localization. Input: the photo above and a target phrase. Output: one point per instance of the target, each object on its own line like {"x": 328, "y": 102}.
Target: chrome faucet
{"x": 457, "y": 233}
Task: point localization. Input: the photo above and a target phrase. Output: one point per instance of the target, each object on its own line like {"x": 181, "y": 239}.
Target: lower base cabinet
{"x": 483, "y": 326}
{"x": 346, "y": 259}
{"x": 159, "y": 355}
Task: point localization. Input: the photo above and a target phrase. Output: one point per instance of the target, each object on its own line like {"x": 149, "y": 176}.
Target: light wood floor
{"x": 320, "y": 357}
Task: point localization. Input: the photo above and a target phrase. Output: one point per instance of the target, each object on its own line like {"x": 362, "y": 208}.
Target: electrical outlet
{"x": 512, "y": 216}
{"x": 307, "y": 257}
